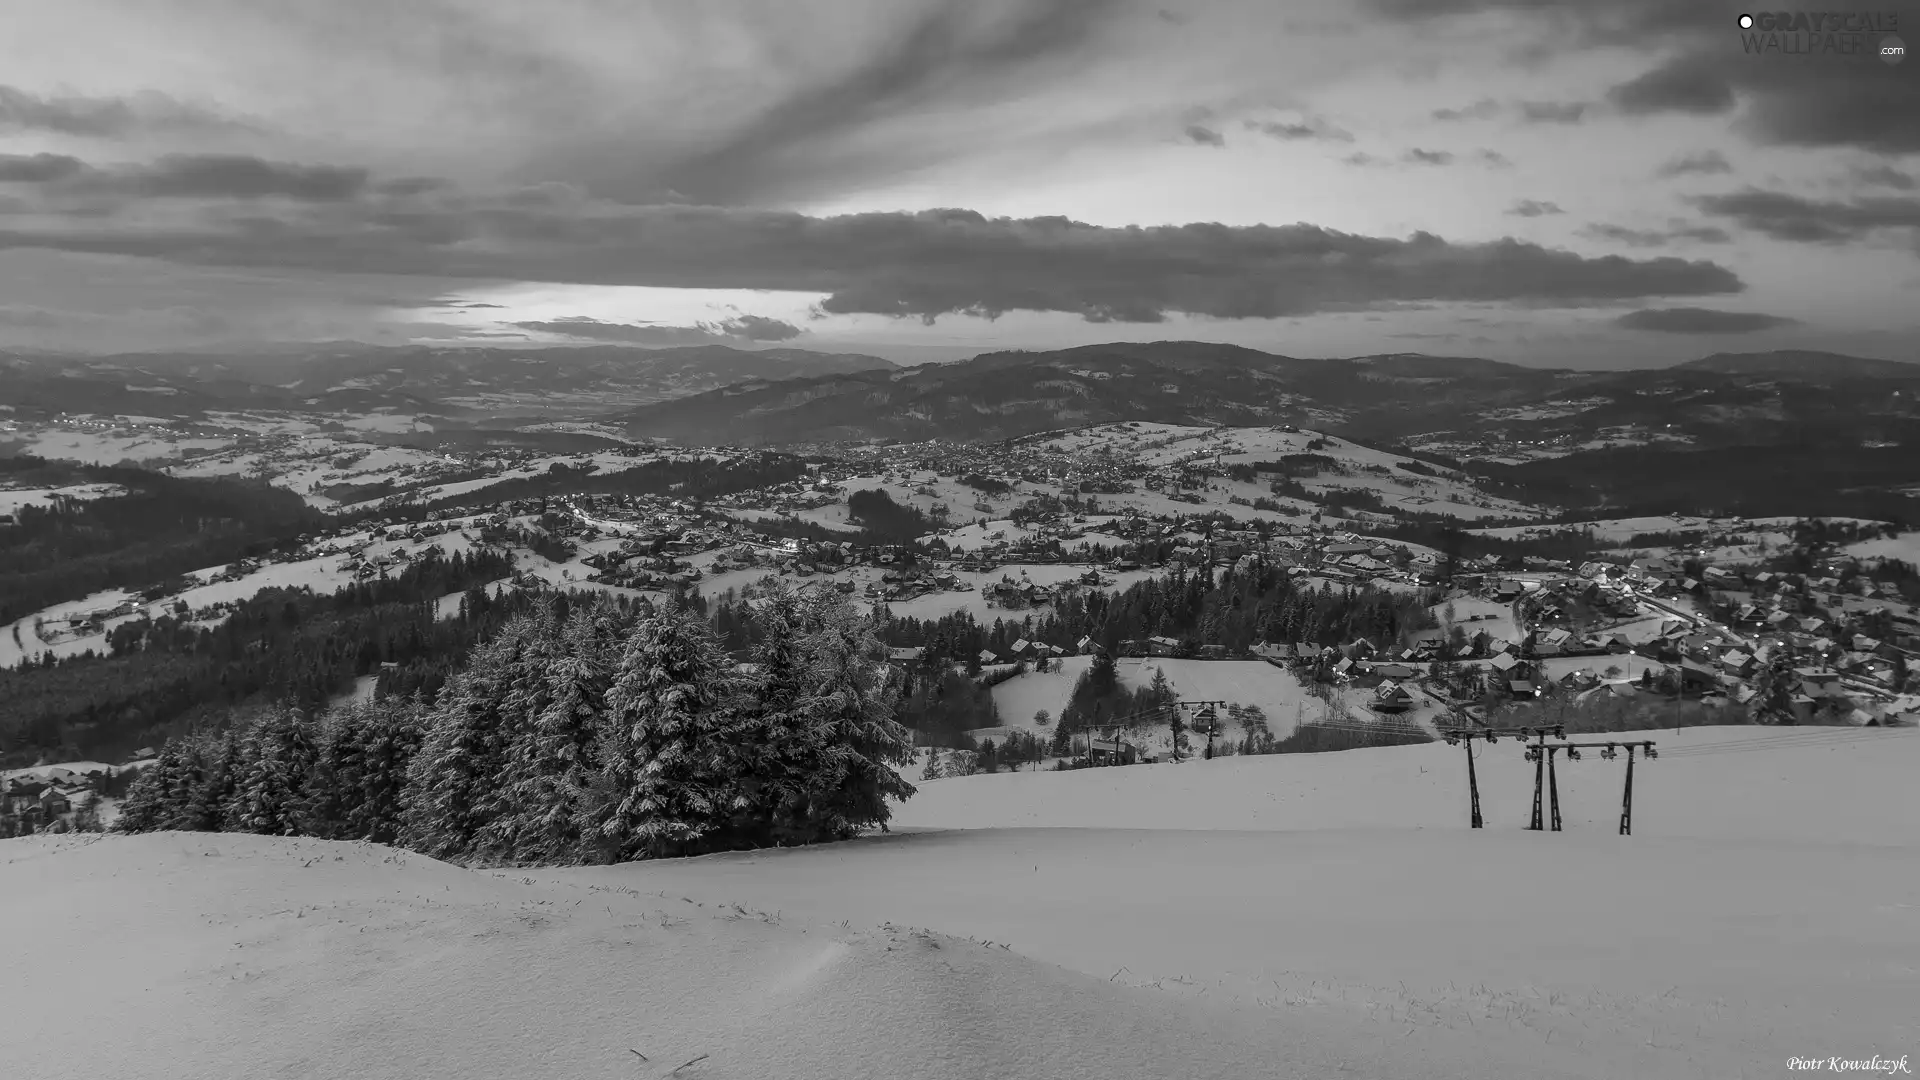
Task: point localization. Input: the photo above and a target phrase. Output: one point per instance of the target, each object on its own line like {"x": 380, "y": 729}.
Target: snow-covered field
{"x": 1290, "y": 916}
{"x": 13, "y": 499}
{"x": 1905, "y": 547}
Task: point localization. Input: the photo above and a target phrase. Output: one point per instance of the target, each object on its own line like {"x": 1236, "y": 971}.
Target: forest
{"x": 603, "y": 735}
{"x": 290, "y": 645}
{"x": 162, "y": 527}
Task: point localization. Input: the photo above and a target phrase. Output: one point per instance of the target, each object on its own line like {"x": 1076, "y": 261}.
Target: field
{"x": 1291, "y": 916}
{"x": 1277, "y": 692}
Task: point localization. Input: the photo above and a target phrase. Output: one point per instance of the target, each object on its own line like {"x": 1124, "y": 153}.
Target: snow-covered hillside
{"x": 1292, "y": 916}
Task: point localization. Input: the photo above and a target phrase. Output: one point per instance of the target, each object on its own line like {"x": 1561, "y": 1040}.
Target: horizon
{"x": 238, "y": 351}
{"x": 1544, "y": 183}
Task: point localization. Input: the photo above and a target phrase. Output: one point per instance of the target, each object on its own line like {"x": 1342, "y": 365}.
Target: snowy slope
{"x": 1289, "y": 916}
{"x": 252, "y": 957}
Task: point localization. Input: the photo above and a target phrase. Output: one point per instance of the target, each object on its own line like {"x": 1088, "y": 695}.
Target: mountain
{"x": 351, "y": 377}
{"x": 1803, "y": 365}
{"x": 1008, "y": 394}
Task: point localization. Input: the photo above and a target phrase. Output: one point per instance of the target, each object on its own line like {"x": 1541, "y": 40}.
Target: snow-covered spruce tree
{"x": 148, "y": 805}
{"x": 334, "y": 788}
{"x": 220, "y": 759}
{"x": 775, "y": 745}
{"x": 186, "y": 782}
{"x": 451, "y": 781}
{"x": 598, "y": 632}
{"x": 664, "y": 781}
{"x": 554, "y": 763}
{"x": 849, "y": 710}
{"x": 392, "y": 737}
{"x": 276, "y": 763}
{"x": 528, "y": 694}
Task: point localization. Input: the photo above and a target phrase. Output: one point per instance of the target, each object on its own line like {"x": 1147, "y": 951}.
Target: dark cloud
{"x": 210, "y": 176}
{"x": 1693, "y": 320}
{"x": 1683, "y": 86}
{"x": 1362, "y": 158}
{"x": 107, "y": 117}
{"x": 1204, "y": 136}
{"x": 950, "y": 53}
{"x": 1653, "y": 238}
{"x": 1814, "y": 101}
{"x": 1808, "y": 221}
{"x": 38, "y": 168}
{"x": 241, "y": 177}
{"x": 1534, "y": 208}
{"x": 1553, "y": 112}
{"x": 745, "y": 328}
{"x": 469, "y": 304}
{"x": 1312, "y": 128}
{"x": 1484, "y": 109}
{"x": 1418, "y": 156}
{"x": 760, "y": 328}
{"x": 1493, "y": 159}
{"x": 922, "y": 264}
{"x": 1702, "y": 163}
{"x": 1883, "y": 175}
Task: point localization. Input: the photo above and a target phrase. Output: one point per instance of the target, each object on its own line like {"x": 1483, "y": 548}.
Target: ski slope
{"x": 1289, "y": 916}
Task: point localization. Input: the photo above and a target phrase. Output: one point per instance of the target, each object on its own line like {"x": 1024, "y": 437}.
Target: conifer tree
{"x": 219, "y": 754}
{"x": 660, "y": 791}
{"x": 336, "y": 781}
{"x": 276, "y": 764}
{"x": 513, "y": 799}
{"x": 393, "y": 733}
{"x": 451, "y": 781}
{"x": 148, "y": 805}
{"x": 850, "y": 704}
{"x": 553, "y": 764}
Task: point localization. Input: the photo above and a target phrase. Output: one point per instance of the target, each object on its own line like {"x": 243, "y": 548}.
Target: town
{"x": 1007, "y": 536}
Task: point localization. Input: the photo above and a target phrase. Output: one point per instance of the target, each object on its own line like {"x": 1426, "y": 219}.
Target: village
{"x": 1008, "y": 531}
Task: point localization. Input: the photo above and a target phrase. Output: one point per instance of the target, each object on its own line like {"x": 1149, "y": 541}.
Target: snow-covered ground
{"x": 13, "y": 499}
{"x": 1289, "y": 916}
{"x": 1905, "y": 547}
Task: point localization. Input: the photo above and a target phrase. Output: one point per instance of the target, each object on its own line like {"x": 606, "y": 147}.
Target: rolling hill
{"x": 1009, "y": 394}
{"x": 347, "y": 377}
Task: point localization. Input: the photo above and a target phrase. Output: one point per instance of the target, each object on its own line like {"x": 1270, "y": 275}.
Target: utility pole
{"x": 1473, "y": 785}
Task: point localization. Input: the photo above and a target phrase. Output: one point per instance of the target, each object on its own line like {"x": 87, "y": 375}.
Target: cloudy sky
{"x": 1548, "y": 181}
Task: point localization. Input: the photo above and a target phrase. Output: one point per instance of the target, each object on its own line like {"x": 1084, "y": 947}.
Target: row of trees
{"x": 612, "y": 735}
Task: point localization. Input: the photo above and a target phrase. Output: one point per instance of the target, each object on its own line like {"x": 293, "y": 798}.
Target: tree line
{"x": 603, "y": 735}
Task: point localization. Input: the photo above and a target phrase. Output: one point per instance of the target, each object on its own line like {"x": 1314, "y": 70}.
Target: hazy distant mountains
{"x": 354, "y": 377}
{"x": 713, "y": 394}
{"x": 1380, "y": 398}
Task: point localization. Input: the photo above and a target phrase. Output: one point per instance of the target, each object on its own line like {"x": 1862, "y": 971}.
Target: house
{"x": 907, "y": 655}
{"x": 1395, "y": 671}
{"x": 1391, "y": 697}
{"x": 1112, "y": 751}
{"x": 1273, "y": 652}
{"x": 987, "y": 658}
{"x": 1162, "y": 646}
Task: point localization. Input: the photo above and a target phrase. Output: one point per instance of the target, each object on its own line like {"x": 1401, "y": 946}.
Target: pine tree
{"x": 528, "y": 694}
{"x": 452, "y": 780}
{"x": 660, "y": 792}
{"x": 774, "y": 745}
{"x": 551, "y": 768}
{"x": 148, "y": 803}
{"x": 851, "y": 705}
{"x": 336, "y": 782}
{"x": 277, "y": 761}
{"x": 393, "y": 733}
{"x": 219, "y": 754}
